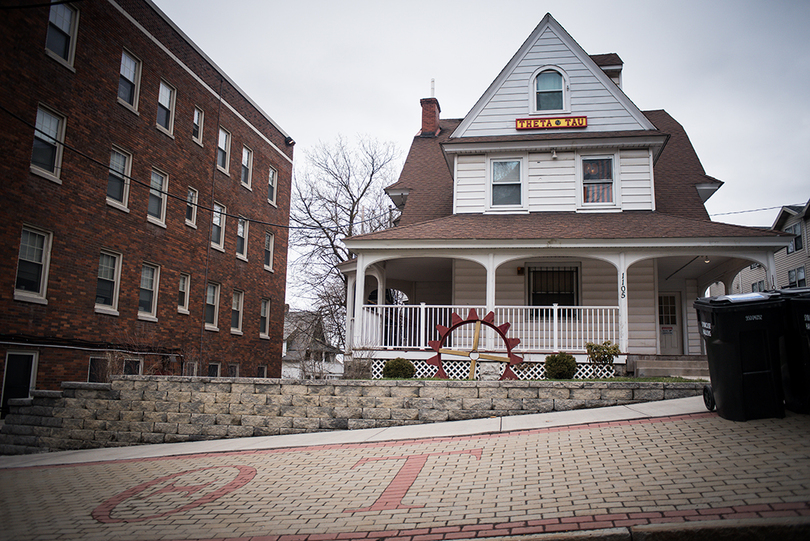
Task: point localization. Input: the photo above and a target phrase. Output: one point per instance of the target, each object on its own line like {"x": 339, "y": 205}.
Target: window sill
{"x": 605, "y": 208}
{"x": 223, "y": 171}
{"x": 24, "y": 296}
{"x": 263, "y": 336}
{"x": 131, "y": 108}
{"x": 65, "y": 63}
{"x": 218, "y": 247}
{"x": 269, "y": 269}
{"x": 116, "y": 205}
{"x": 241, "y": 258}
{"x": 247, "y": 187}
{"x": 236, "y": 332}
{"x": 212, "y": 328}
{"x": 106, "y": 310}
{"x": 183, "y": 311}
{"x": 199, "y": 142}
{"x": 164, "y": 131}
{"x": 147, "y": 317}
{"x": 272, "y": 203}
{"x": 191, "y": 224}
{"x": 155, "y": 221}
{"x": 45, "y": 174}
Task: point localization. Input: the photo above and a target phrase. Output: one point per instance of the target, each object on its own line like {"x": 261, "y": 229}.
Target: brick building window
{"x": 46, "y": 157}
{"x": 218, "y": 227}
{"x": 236, "y": 311}
{"x": 271, "y": 186}
{"x": 183, "y": 289}
{"x": 108, "y": 285}
{"x": 211, "y": 306}
{"x": 223, "y": 150}
{"x": 233, "y": 370}
{"x": 165, "y": 109}
{"x": 264, "y": 320}
{"x": 63, "y": 25}
{"x": 118, "y": 179}
{"x": 269, "y": 241}
{"x": 32, "y": 267}
{"x": 133, "y": 367}
{"x": 261, "y": 371}
{"x": 191, "y": 207}
{"x": 147, "y": 295}
{"x": 242, "y": 238}
{"x": 189, "y": 368}
{"x": 213, "y": 370}
{"x": 129, "y": 81}
{"x": 158, "y": 188}
{"x": 247, "y": 166}
{"x": 97, "y": 370}
{"x": 197, "y": 126}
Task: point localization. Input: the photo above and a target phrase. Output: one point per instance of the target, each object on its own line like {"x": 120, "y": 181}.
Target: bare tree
{"x": 338, "y": 193}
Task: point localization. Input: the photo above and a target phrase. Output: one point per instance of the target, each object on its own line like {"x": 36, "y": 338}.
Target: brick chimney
{"x": 430, "y": 117}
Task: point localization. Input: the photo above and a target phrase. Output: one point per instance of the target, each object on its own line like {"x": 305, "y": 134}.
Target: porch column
{"x": 770, "y": 271}
{"x": 359, "y": 290}
{"x": 624, "y": 318}
{"x": 490, "y": 283}
{"x": 349, "y": 311}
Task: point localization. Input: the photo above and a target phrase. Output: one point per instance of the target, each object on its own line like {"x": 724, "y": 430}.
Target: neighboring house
{"x": 558, "y": 205}
{"x": 140, "y": 188}
{"x": 791, "y": 263}
{"x": 306, "y": 352}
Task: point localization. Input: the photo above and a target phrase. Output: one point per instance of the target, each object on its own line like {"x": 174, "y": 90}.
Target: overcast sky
{"x": 735, "y": 74}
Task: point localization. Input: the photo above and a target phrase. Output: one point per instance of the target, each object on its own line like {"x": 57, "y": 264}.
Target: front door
{"x": 17, "y": 380}
{"x": 669, "y": 323}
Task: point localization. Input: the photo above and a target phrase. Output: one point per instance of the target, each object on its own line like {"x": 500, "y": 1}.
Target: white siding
{"x": 471, "y": 184}
{"x": 599, "y": 284}
{"x": 635, "y": 170}
{"x": 641, "y": 308}
{"x": 552, "y": 182}
{"x": 690, "y": 318}
{"x": 469, "y": 283}
{"x": 588, "y": 95}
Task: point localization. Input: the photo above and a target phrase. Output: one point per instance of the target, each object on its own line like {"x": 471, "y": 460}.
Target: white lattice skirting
{"x": 524, "y": 371}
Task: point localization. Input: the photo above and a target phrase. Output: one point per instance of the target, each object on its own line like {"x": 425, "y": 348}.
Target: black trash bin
{"x": 743, "y": 336}
{"x": 796, "y": 355}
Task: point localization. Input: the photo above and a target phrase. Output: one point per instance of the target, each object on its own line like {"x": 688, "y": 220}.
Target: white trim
{"x": 272, "y": 250}
{"x": 151, "y": 315}
{"x": 74, "y": 34}
{"x": 249, "y": 167}
{"x": 272, "y": 174}
{"x": 111, "y": 310}
{"x": 264, "y": 333}
{"x": 164, "y": 190}
{"x": 523, "y": 159}
{"x": 198, "y": 140}
{"x": 226, "y": 149}
{"x": 56, "y": 174}
{"x": 183, "y": 309}
{"x": 566, "y": 93}
{"x": 239, "y": 220}
{"x": 168, "y": 130}
{"x": 615, "y": 166}
{"x": 220, "y": 245}
{"x": 193, "y": 205}
{"x": 240, "y": 310}
{"x": 121, "y": 205}
{"x": 212, "y": 326}
{"x": 32, "y": 383}
{"x": 40, "y": 296}
{"x": 137, "y": 82}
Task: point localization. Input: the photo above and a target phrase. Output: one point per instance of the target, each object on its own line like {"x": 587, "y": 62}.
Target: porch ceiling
{"x": 418, "y": 269}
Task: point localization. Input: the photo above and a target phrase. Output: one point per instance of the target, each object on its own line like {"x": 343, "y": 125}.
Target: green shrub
{"x": 603, "y": 353}
{"x": 399, "y": 368}
{"x": 561, "y": 366}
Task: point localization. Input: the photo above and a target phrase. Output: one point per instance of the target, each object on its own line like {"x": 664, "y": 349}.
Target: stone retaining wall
{"x": 134, "y": 410}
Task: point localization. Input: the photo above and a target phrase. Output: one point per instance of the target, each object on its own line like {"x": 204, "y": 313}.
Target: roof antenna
{"x": 433, "y": 88}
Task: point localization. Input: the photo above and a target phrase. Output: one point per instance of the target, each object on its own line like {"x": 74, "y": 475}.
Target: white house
{"x": 559, "y": 206}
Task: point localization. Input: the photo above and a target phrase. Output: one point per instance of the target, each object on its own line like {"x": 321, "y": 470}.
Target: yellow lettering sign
{"x": 551, "y": 123}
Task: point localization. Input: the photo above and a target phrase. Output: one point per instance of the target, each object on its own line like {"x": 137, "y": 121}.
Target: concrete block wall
{"x": 134, "y": 410}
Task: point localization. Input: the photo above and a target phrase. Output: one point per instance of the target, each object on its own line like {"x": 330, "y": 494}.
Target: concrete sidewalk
{"x": 646, "y": 471}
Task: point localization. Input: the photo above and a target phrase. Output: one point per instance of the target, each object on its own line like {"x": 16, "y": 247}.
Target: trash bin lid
{"x": 740, "y": 298}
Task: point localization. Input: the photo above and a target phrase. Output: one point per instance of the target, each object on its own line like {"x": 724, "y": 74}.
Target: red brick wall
{"x": 83, "y": 224}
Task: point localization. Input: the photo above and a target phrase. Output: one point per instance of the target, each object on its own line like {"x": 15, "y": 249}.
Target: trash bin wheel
{"x": 708, "y": 397}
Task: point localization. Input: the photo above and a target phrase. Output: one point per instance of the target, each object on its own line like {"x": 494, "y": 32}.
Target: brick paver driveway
{"x": 670, "y": 469}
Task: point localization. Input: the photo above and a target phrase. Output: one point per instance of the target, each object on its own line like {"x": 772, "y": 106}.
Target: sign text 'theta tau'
{"x": 551, "y": 122}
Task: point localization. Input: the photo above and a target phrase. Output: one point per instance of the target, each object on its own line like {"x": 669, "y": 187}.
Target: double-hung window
{"x": 46, "y": 157}
{"x": 183, "y": 289}
{"x": 158, "y": 188}
{"x": 272, "y": 182}
{"x": 211, "y": 306}
{"x": 242, "y": 238}
{"x": 129, "y": 81}
{"x": 108, "y": 284}
{"x": 191, "y": 207}
{"x": 247, "y": 166}
{"x": 197, "y": 125}
{"x": 165, "y": 109}
{"x": 796, "y": 277}
{"x": 147, "y": 296}
{"x": 32, "y": 267}
{"x": 264, "y": 320}
{"x": 597, "y": 180}
{"x": 118, "y": 179}
{"x": 218, "y": 227}
{"x": 796, "y": 244}
{"x": 507, "y": 185}
{"x": 549, "y": 91}
{"x": 223, "y": 150}
{"x": 63, "y": 24}
{"x": 269, "y": 241}
{"x": 236, "y": 312}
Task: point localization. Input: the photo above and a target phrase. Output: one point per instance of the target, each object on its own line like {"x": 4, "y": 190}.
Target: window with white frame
{"x": 272, "y": 182}
{"x": 118, "y": 179}
{"x": 597, "y": 180}
{"x": 108, "y": 285}
{"x": 31, "y": 284}
{"x": 46, "y": 157}
{"x": 758, "y": 286}
{"x": 261, "y": 371}
{"x": 133, "y": 367}
{"x": 183, "y": 288}
{"x": 191, "y": 207}
{"x": 796, "y": 277}
{"x": 129, "y": 80}
{"x": 223, "y": 149}
{"x": 211, "y": 306}
{"x": 236, "y": 311}
{"x": 218, "y": 227}
{"x": 269, "y": 241}
{"x": 189, "y": 368}
{"x": 797, "y": 243}
{"x": 165, "y": 109}
{"x": 147, "y": 295}
{"x": 63, "y": 25}
{"x": 507, "y": 182}
{"x": 549, "y": 91}
{"x": 213, "y": 370}
{"x": 264, "y": 319}
{"x": 233, "y": 370}
{"x": 242, "y": 238}
{"x": 158, "y": 188}
{"x": 197, "y": 125}
{"x": 247, "y": 166}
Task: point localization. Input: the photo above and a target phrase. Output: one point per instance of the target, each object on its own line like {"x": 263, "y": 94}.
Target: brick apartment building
{"x": 144, "y": 199}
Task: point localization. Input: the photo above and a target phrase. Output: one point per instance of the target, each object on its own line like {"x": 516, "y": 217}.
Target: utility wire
{"x": 745, "y": 211}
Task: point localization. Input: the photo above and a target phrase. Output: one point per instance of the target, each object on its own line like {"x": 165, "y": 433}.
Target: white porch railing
{"x": 540, "y": 328}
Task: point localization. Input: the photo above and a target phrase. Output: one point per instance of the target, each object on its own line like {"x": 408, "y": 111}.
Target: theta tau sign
{"x": 547, "y": 123}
